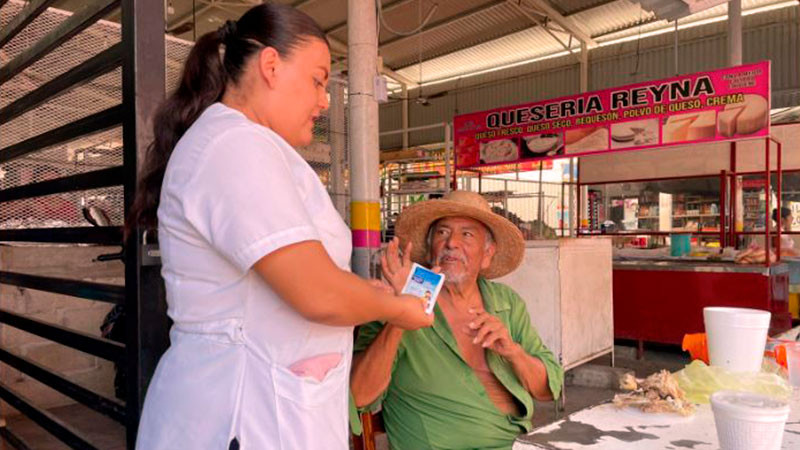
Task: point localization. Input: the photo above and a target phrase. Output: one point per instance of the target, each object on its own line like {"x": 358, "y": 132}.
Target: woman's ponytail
{"x": 202, "y": 83}
{"x": 205, "y": 76}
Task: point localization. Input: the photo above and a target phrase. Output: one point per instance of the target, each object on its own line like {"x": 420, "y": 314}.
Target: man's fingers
{"x": 479, "y": 320}
{"x": 384, "y": 265}
{"x": 492, "y": 338}
{"x": 407, "y": 254}
{"x": 484, "y": 331}
{"x": 392, "y": 258}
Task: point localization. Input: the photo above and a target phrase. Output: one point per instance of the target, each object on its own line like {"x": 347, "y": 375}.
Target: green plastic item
{"x": 699, "y": 381}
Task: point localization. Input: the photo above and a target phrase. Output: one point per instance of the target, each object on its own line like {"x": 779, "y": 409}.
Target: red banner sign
{"x": 725, "y": 104}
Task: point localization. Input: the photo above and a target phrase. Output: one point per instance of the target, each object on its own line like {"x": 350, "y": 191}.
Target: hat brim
{"x": 414, "y": 222}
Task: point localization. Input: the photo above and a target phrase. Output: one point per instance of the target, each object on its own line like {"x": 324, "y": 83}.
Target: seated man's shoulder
{"x": 504, "y": 292}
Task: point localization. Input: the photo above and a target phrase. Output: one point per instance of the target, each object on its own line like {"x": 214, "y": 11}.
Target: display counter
{"x": 661, "y": 301}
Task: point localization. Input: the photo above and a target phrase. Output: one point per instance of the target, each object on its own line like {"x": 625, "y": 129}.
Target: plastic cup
{"x": 747, "y": 421}
{"x": 793, "y": 362}
{"x": 736, "y": 337}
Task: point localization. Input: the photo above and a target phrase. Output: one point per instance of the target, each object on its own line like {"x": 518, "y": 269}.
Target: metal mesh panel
{"x": 100, "y": 150}
{"x": 536, "y": 212}
{"x": 320, "y": 153}
{"x": 62, "y": 210}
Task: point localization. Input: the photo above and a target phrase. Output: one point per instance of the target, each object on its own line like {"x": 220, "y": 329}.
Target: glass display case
{"x": 656, "y": 208}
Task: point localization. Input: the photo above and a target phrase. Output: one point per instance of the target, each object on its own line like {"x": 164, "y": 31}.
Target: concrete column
{"x": 338, "y": 145}
{"x": 362, "y": 43}
{"x": 734, "y": 32}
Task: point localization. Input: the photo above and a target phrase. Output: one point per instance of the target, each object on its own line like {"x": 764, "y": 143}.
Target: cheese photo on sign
{"x": 586, "y": 139}
{"x": 542, "y": 145}
{"x": 499, "y": 151}
{"x": 694, "y": 126}
{"x": 746, "y": 117}
{"x": 634, "y": 134}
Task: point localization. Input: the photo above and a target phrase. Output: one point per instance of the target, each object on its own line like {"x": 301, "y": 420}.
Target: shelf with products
{"x": 408, "y": 180}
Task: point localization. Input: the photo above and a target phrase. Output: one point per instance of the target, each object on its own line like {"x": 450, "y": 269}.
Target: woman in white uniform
{"x": 255, "y": 257}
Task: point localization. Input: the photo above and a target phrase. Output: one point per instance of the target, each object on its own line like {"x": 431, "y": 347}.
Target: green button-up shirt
{"x": 435, "y": 400}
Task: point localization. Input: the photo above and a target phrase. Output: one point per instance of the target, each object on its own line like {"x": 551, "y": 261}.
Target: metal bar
{"x": 95, "y": 123}
{"x": 675, "y": 48}
{"x": 767, "y": 189}
{"x": 32, "y": 10}
{"x": 91, "y": 180}
{"x": 100, "y": 292}
{"x": 70, "y": 27}
{"x": 780, "y": 202}
{"x": 143, "y": 87}
{"x": 419, "y": 128}
{"x": 536, "y": 21}
{"x": 45, "y": 419}
{"x": 734, "y": 196}
{"x": 578, "y": 206}
{"x": 77, "y": 235}
{"x": 103, "y": 348}
{"x": 722, "y": 232}
{"x": 448, "y": 152}
{"x": 106, "y": 406}
{"x": 98, "y": 65}
{"x": 9, "y": 436}
{"x": 639, "y": 180}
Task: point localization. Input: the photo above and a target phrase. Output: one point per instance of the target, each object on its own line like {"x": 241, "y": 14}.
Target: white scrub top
{"x": 233, "y": 192}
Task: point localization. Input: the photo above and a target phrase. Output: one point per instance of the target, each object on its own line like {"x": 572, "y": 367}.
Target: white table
{"x": 605, "y": 427}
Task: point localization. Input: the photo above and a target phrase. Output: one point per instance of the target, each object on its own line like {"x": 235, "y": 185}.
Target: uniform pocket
{"x": 312, "y": 414}
{"x": 308, "y": 392}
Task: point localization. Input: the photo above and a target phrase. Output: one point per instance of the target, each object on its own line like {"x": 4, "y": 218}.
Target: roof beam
{"x": 565, "y": 23}
{"x": 543, "y": 26}
{"x": 402, "y": 79}
{"x": 445, "y": 22}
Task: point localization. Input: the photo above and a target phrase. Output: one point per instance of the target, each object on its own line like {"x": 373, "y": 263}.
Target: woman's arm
{"x": 305, "y": 277}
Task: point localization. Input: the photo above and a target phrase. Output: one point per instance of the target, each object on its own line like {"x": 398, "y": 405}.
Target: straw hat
{"x": 414, "y": 222}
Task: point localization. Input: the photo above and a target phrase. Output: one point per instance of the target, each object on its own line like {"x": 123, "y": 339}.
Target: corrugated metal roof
{"x": 463, "y": 36}
{"x": 498, "y": 19}
{"x": 604, "y": 22}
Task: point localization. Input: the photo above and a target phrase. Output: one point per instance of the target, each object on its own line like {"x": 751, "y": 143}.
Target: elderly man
{"x": 470, "y": 380}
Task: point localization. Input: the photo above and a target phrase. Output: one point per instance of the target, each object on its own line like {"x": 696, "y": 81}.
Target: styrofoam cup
{"x": 736, "y": 337}
{"x": 748, "y": 421}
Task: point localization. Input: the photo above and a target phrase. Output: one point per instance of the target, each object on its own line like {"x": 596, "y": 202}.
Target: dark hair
{"x": 203, "y": 82}
{"x": 785, "y": 212}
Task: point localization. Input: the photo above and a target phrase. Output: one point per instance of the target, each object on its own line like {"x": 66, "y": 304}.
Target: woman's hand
{"x": 411, "y": 314}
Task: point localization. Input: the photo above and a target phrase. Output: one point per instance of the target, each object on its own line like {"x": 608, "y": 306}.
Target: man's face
{"x": 459, "y": 247}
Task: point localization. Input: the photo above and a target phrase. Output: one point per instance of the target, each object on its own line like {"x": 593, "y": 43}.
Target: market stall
{"x": 682, "y": 174}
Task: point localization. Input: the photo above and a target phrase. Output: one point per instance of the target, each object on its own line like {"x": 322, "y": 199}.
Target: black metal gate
{"x": 140, "y": 55}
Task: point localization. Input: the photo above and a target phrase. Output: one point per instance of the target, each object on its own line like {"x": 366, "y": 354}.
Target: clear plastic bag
{"x": 699, "y": 381}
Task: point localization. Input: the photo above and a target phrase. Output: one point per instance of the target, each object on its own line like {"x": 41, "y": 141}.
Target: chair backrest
{"x": 371, "y": 424}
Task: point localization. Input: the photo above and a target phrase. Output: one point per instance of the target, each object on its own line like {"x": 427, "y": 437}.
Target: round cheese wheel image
{"x": 747, "y": 117}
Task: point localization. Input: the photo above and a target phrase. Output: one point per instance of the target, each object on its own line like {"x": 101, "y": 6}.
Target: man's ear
{"x": 488, "y": 255}
{"x": 268, "y": 61}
